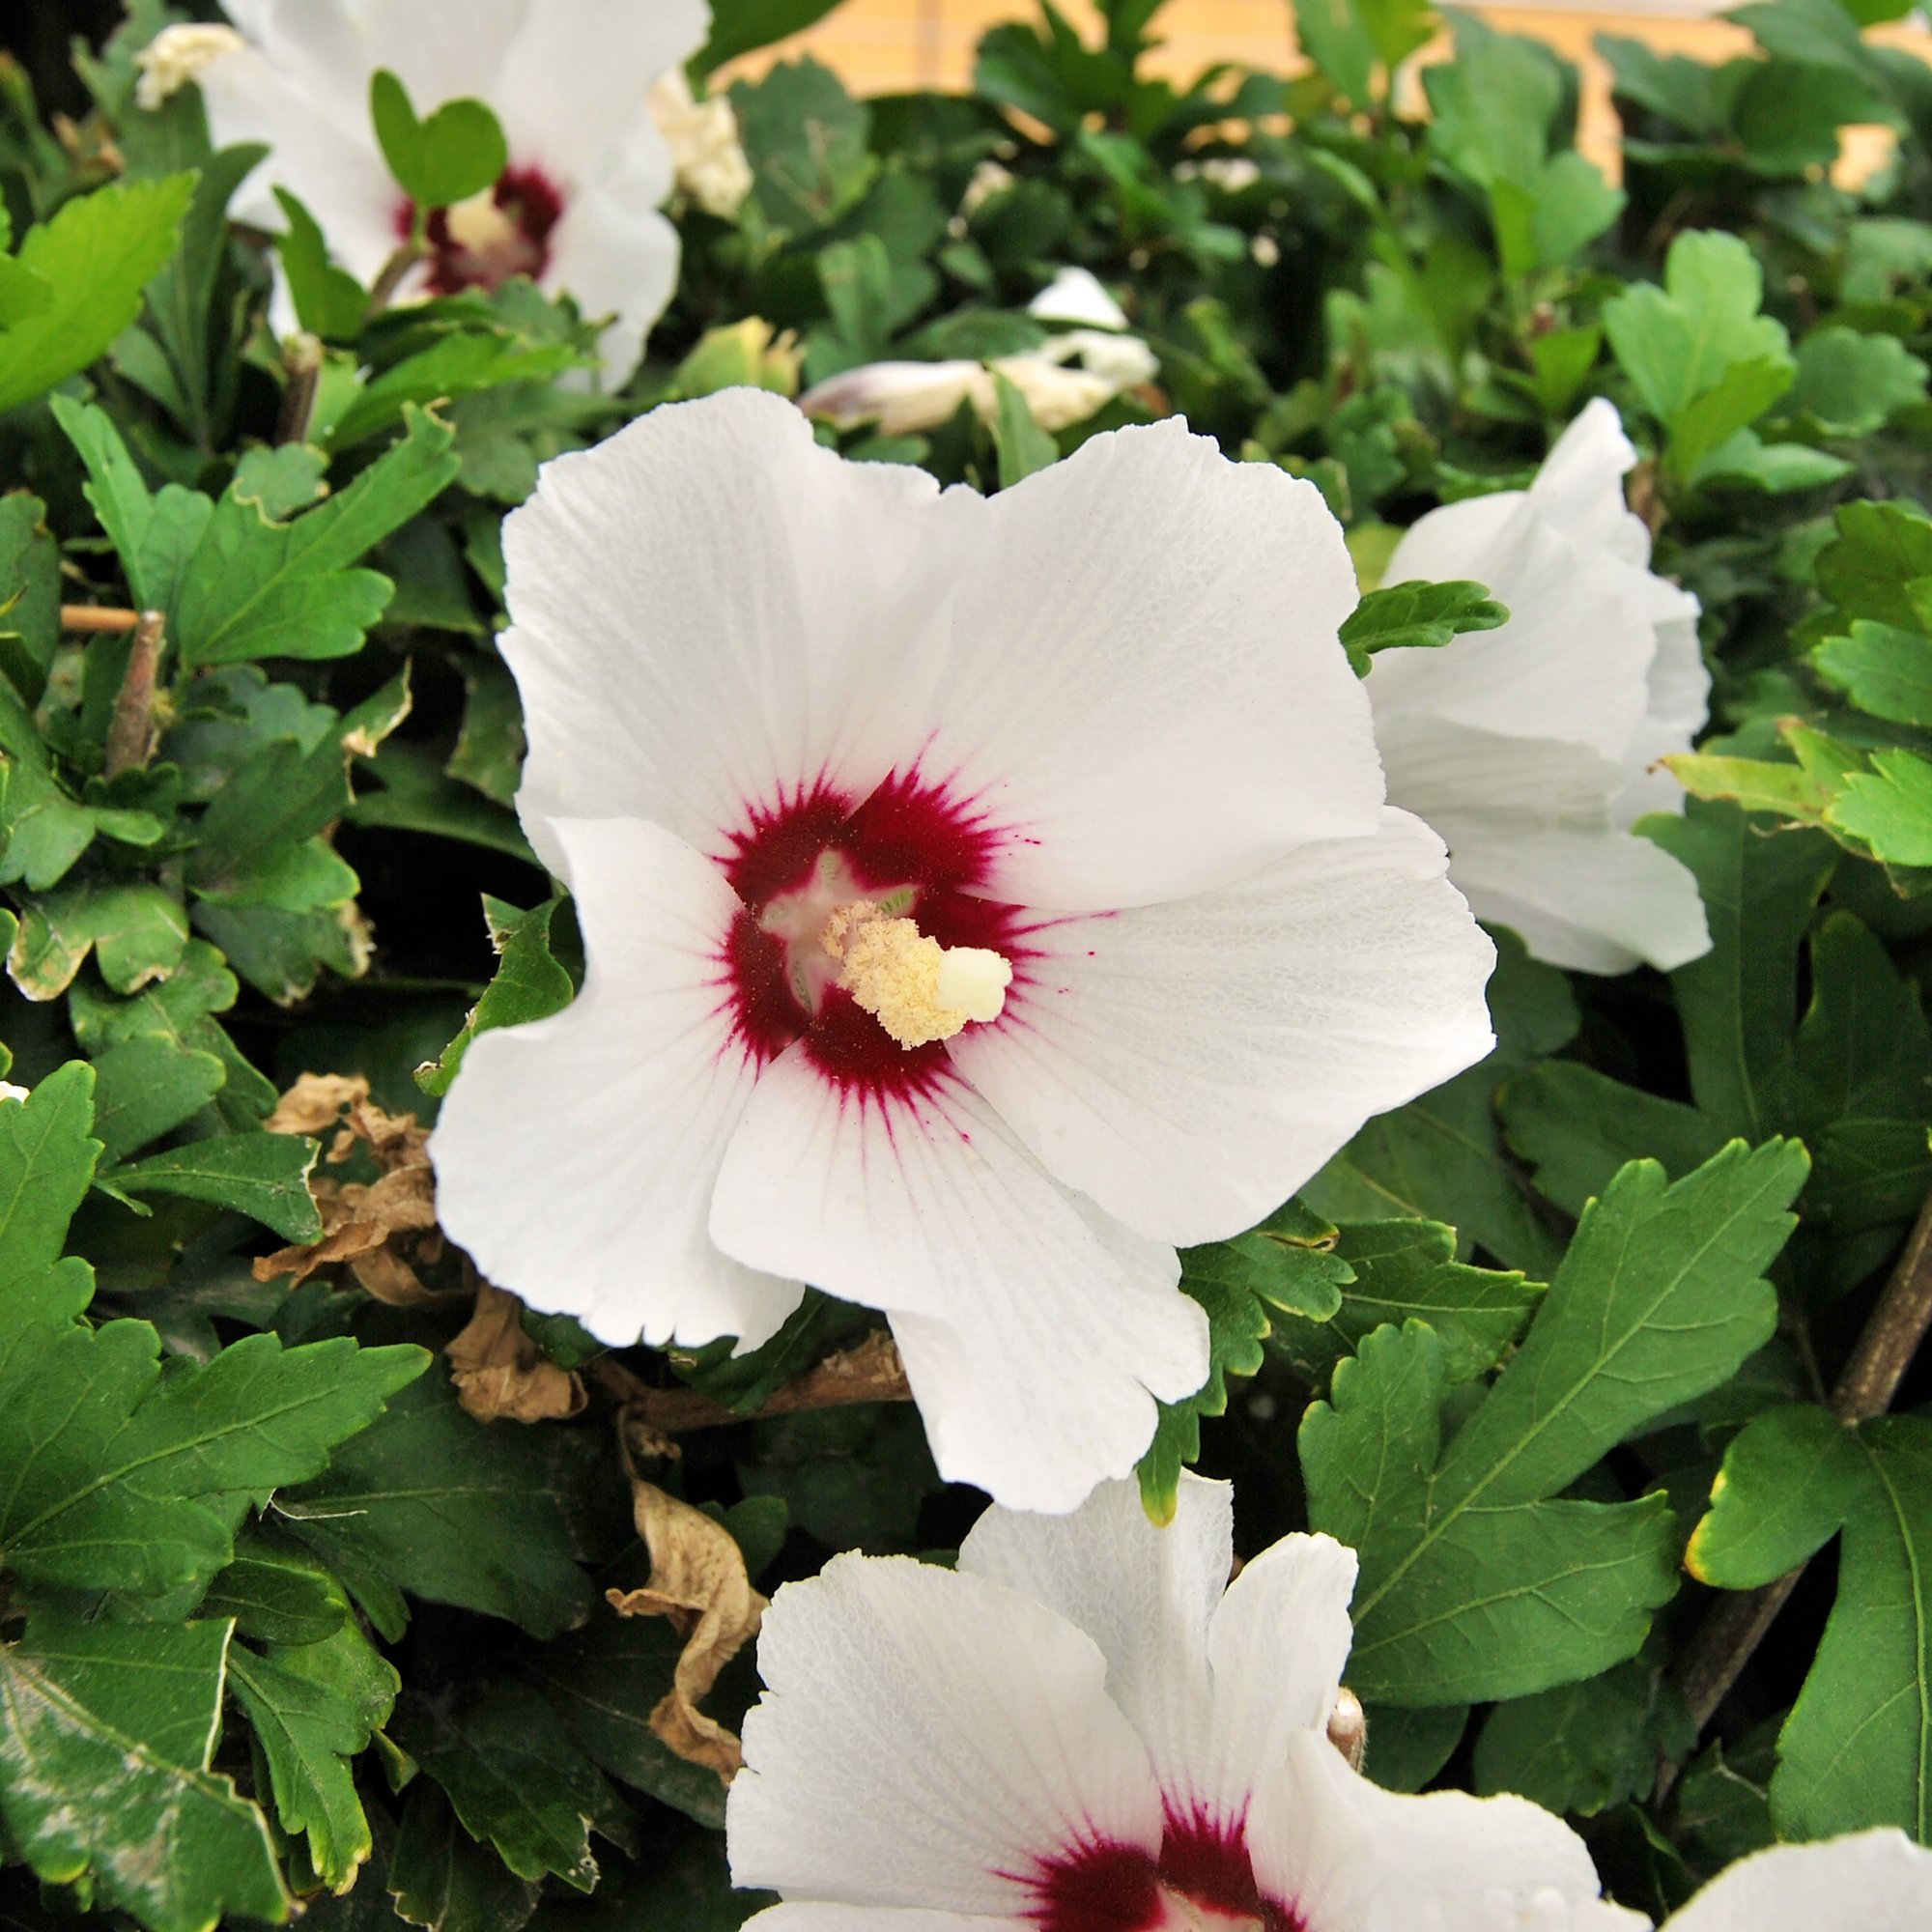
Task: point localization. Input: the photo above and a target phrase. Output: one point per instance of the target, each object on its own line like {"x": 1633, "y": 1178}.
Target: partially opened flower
{"x": 576, "y": 210}
{"x": 1530, "y": 747}
{"x": 705, "y": 150}
{"x": 1869, "y": 1882}
{"x": 1076, "y": 294}
{"x": 1087, "y": 1728}
{"x": 981, "y": 898}
{"x": 1063, "y": 382}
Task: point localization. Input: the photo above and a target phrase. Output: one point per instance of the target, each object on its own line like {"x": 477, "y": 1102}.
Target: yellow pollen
{"x": 915, "y": 988}
{"x": 479, "y": 225}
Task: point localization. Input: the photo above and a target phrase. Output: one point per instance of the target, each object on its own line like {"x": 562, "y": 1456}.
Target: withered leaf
{"x": 499, "y": 1371}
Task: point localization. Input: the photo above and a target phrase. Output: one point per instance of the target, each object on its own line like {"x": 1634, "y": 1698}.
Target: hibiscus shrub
{"x": 335, "y": 1576}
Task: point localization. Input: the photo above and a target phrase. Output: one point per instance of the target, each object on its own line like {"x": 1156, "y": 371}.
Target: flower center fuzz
{"x": 504, "y": 231}
{"x": 1202, "y": 1882}
{"x": 863, "y": 935}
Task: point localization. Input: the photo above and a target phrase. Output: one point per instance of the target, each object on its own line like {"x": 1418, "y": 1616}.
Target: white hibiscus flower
{"x": 1530, "y": 747}
{"x": 1063, "y": 382}
{"x": 1083, "y": 1730}
{"x": 1869, "y": 1882}
{"x": 576, "y": 210}
{"x": 982, "y": 898}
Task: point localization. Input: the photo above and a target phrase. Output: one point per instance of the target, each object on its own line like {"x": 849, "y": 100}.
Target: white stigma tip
{"x": 975, "y": 980}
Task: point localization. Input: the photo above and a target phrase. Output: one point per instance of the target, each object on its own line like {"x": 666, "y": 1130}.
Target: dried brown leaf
{"x": 699, "y": 1582}
{"x": 499, "y": 1371}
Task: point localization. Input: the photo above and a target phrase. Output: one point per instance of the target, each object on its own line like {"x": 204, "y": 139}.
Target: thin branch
{"x": 383, "y": 291}
{"x": 873, "y": 1372}
{"x": 1716, "y": 1656}
{"x": 97, "y": 617}
{"x": 130, "y": 733}
{"x": 302, "y": 357}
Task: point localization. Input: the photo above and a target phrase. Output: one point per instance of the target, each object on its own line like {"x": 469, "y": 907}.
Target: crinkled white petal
{"x": 619, "y": 256}
{"x": 574, "y": 80}
{"x": 1190, "y": 1065}
{"x": 575, "y": 1156}
{"x": 1867, "y": 1882}
{"x": 1036, "y": 1332}
{"x": 926, "y": 1737}
{"x": 706, "y": 609}
{"x": 1076, "y": 294}
{"x": 1277, "y": 1644}
{"x": 1145, "y": 1594}
{"x": 1348, "y": 1857}
{"x": 1588, "y": 897}
{"x": 711, "y": 612}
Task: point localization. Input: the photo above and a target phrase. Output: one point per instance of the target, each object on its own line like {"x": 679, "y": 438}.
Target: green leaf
{"x": 145, "y": 1088}
{"x": 416, "y": 796}
{"x": 1738, "y": 1004}
{"x": 530, "y": 985}
{"x": 276, "y": 1592}
{"x": 430, "y": 1501}
{"x": 329, "y": 301}
{"x": 805, "y": 138}
{"x": 1777, "y": 468}
{"x": 1856, "y": 1751}
{"x": 106, "y": 1735}
{"x": 46, "y": 1164}
{"x": 313, "y": 1707}
{"x": 490, "y": 748}
{"x": 460, "y": 366}
{"x": 1678, "y": 342}
{"x": 1868, "y": 570}
{"x": 743, "y": 26}
{"x": 515, "y": 1777}
{"x": 1408, "y": 1746}
{"x": 1786, "y": 113}
{"x": 1023, "y": 446}
{"x": 98, "y": 253}
{"x": 1585, "y": 1747}
{"x": 1284, "y": 1264}
{"x": 1474, "y": 1584}
{"x": 1417, "y": 617}
{"x": 1576, "y": 1127}
{"x": 441, "y": 1878}
{"x": 458, "y": 152}
{"x": 1402, "y": 1271}
{"x": 1703, "y": 428}
{"x": 260, "y": 588}
{"x": 138, "y": 933}
{"x": 122, "y": 1463}
{"x": 29, "y": 594}
{"x": 1850, "y": 384}
{"x": 1881, "y": 670}
{"x": 1890, "y": 808}
{"x": 263, "y": 1175}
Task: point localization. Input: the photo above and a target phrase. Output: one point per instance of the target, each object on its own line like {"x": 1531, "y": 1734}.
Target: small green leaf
{"x": 530, "y": 985}
{"x": 458, "y": 152}
{"x": 106, "y": 1731}
{"x": 98, "y": 254}
{"x": 1890, "y": 808}
{"x": 1850, "y": 384}
{"x": 263, "y": 1175}
{"x": 1024, "y": 447}
{"x": 276, "y": 1592}
{"x": 440, "y": 1876}
{"x": 329, "y": 301}
{"x": 145, "y": 1088}
{"x": 1417, "y": 617}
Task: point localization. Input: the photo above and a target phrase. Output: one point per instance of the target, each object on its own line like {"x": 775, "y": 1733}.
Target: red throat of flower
{"x": 481, "y": 242}
{"x": 909, "y": 851}
{"x": 1202, "y": 1882}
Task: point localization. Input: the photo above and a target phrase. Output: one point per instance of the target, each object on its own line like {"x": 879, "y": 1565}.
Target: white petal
{"x": 440, "y": 51}
{"x": 1579, "y": 487}
{"x": 901, "y": 397}
{"x": 712, "y": 615}
{"x": 811, "y": 1916}
{"x": 923, "y": 1739}
{"x": 335, "y": 173}
{"x": 705, "y": 606}
{"x": 1145, "y": 1594}
{"x": 575, "y": 77}
{"x": 1277, "y": 1644}
{"x": 575, "y": 1156}
{"x": 1350, "y": 1856}
{"x": 1573, "y": 662}
{"x": 1598, "y": 900}
{"x": 1871, "y": 1881}
{"x": 617, "y": 256}
{"x": 1190, "y": 1065}
{"x": 1076, "y": 294}
{"x": 1143, "y": 678}
{"x": 1680, "y": 699}
{"x": 1033, "y": 1327}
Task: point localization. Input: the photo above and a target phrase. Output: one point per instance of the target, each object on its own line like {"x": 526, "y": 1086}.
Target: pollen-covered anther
{"x": 915, "y": 988}
{"x": 480, "y": 225}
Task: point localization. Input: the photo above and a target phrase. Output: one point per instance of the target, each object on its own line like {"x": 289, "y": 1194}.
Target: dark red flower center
{"x": 1202, "y": 1882}
{"x": 911, "y": 847}
{"x": 481, "y": 242}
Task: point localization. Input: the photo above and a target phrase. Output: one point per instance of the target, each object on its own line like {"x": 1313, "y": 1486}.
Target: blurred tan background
{"x": 880, "y": 47}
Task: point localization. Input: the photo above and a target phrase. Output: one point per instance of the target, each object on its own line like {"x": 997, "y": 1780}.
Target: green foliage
{"x": 1477, "y": 1583}
{"x": 1417, "y": 617}
{"x": 458, "y": 152}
